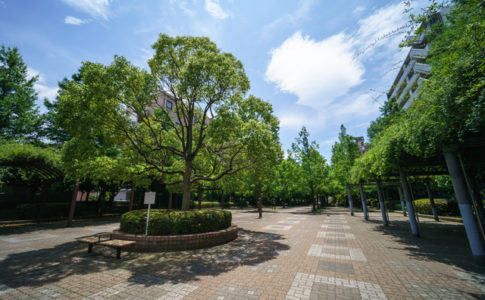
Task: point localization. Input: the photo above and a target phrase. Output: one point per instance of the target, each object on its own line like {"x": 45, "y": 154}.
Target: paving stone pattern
{"x": 288, "y": 254}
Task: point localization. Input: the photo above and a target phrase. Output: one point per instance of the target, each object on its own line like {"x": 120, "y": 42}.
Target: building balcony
{"x": 422, "y": 68}
{"x": 419, "y": 53}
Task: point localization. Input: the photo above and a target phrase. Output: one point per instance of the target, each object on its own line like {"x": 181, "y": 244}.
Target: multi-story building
{"x": 166, "y": 101}
{"x": 414, "y": 69}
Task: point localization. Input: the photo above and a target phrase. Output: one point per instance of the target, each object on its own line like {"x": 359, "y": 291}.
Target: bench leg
{"x": 118, "y": 253}
{"x": 90, "y": 248}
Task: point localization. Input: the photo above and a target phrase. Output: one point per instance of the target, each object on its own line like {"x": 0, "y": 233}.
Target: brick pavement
{"x": 289, "y": 254}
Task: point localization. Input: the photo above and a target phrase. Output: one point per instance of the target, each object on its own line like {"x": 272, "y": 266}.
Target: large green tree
{"x": 19, "y": 116}
{"x": 261, "y": 142}
{"x": 313, "y": 164}
{"x": 201, "y": 141}
{"x": 344, "y": 153}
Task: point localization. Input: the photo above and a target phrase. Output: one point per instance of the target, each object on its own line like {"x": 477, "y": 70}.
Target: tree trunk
{"x": 73, "y": 205}
{"x": 260, "y": 201}
{"x": 187, "y": 185}
{"x": 132, "y": 196}
{"x": 87, "y": 195}
{"x": 199, "y": 196}
{"x": 101, "y": 197}
{"x": 314, "y": 207}
{"x": 222, "y": 199}
{"x": 170, "y": 197}
{"x": 43, "y": 199}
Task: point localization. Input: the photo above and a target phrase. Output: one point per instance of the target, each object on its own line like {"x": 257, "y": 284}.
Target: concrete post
{"x": 431, "y": 201}
{"x": 401, "y": 197}
{"x": 364, "y": 204}
{"x": 409, "y": 202}
{"x": 351, "y": 206}
{"x": 475, "y": 240}
{"x": 381, "y": 202}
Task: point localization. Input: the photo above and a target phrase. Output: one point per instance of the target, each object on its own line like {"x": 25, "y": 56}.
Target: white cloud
{"x": 184, "y": 5}
{"x": 356, "y": 106}
{"x": 301, "y": 12}
{"x": 317, "y": 72}
{"x": 384, "y": 27}
{"x": 74, "y": 21}
{"x": 358, "y": 10}
{"x": 290, "y": 120}
{"x": 98, "y": 9}
{"x": 40, "y": 86}
{"x": 213, "y": 7}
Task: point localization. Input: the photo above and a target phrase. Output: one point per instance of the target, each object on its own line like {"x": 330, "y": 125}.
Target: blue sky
{"x": 320, "y": 63}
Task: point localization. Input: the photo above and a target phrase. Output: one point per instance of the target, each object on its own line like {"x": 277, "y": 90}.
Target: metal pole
{"x": 351, "y": 206}
{"x": 408, "y": 198}
{"x": 381, "y": 203}
{"x": 148, "y": 218}
{"x": 364, "y": 205}
{"x": 464, "y": 204}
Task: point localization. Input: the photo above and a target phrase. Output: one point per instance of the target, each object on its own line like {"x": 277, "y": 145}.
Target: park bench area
{"x": 105, "y": 239}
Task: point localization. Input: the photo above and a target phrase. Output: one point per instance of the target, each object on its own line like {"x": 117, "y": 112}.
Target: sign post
{"x": 149, "y": 199}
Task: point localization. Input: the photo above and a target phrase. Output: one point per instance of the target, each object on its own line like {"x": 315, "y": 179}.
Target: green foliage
{"x": 345, "y": 151}
{"x": 313, "y": 165}
{"x": 25, "y": 162}
{"x": 450, "y": 105}
{"x": 170, "y": 222}
{"x": 443, "y": 207}
{"x": 389, "y": 111}
{"x": 19, "y": 117}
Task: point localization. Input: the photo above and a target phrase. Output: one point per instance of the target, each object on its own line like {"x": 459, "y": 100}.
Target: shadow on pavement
{"x": 441, "y": 242}
{"x": 47, "y": 266}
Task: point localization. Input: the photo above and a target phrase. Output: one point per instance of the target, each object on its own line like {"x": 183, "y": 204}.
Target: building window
{"x": 169, "y": 105}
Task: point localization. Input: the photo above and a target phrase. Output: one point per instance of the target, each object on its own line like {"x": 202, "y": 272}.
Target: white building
{"x": 414, "y": 69}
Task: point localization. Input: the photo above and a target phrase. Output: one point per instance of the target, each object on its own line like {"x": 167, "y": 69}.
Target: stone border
{"x": 149, "y": 243}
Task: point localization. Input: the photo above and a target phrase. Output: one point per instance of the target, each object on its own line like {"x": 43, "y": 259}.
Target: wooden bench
{"x": 100, "y": 239}
{"x": 118, "y": 244}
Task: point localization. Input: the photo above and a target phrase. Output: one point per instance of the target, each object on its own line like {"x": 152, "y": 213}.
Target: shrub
{"x": 168, "y": 222}
{"x": 443, "y": 208}
{"x": 372, "y": 202}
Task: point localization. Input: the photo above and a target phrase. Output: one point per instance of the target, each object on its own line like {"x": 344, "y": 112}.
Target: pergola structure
{"x": 455, "y": 161}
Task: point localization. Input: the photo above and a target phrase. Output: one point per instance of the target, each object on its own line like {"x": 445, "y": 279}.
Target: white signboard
{"x": 149, "y": 198}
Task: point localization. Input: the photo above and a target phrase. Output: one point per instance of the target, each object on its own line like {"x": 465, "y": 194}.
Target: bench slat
{"x": 118, "y": 243}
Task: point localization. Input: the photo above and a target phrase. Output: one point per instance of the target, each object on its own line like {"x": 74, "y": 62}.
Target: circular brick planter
{"x": 177, "y": 242}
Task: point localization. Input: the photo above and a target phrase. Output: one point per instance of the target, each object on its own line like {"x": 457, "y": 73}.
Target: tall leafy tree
{"x": 313, "y": 164}
{"x": 344, "y": 153}
{"x": 261, "y": 141}
{"x": 19, "y": 116}
{"x": 117, "y": 105}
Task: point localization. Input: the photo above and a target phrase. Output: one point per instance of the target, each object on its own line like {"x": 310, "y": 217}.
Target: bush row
{"x": 168, "y": 222}
{"x": 443, "y": 208}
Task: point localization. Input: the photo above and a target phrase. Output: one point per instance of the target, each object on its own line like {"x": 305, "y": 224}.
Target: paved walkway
{"x": 288, "y": 254}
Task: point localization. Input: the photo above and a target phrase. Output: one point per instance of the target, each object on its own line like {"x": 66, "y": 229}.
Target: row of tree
{"x": 106, "y": 129}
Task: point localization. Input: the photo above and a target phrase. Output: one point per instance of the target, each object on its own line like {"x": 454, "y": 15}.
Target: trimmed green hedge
{"x": 443, "y": 208}
{"x": 168, "y": 222}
